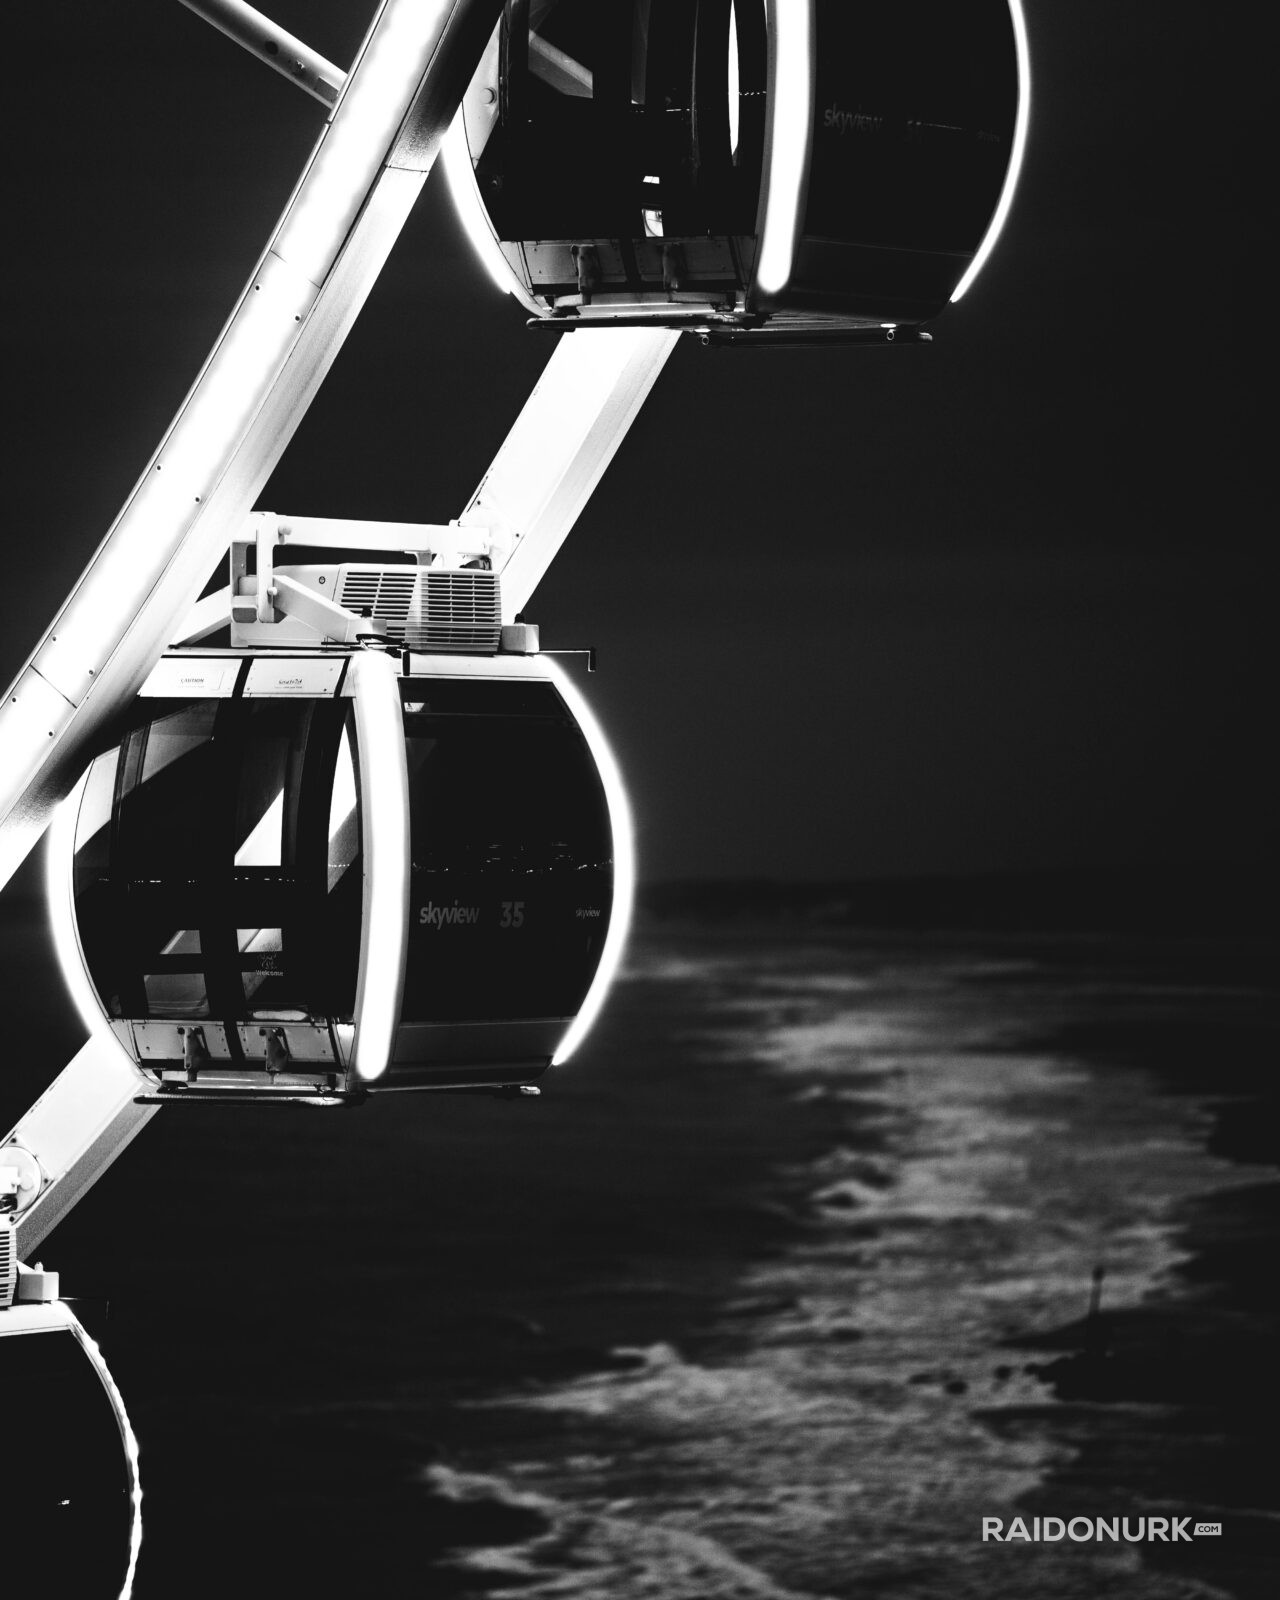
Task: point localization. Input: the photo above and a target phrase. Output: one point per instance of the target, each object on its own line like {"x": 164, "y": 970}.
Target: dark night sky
{"x": 998, "y": 603}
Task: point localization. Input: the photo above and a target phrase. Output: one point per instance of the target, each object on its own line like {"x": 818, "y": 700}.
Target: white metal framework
{"x": 333, "y": 238}
{"x": 138, "y": 595}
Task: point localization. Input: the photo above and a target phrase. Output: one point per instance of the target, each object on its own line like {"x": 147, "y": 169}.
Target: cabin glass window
{"x": 512, "y": 872}
{"x": 218, "y": 870}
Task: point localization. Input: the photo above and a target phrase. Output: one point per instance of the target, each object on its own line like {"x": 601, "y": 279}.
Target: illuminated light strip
{"x": 33, "y": 714}
{"x": 59, "y": 863}
{"x": 399, "y": 49}
{"x": 219, "y": 412}
{"x": 169, "y": 498}
{"x": 734, "y": 83}
{"x": 1020, "y": 125}
{"x": 384, "y": 797}
{"x": 790, "y": 134}
{"x": 455, "y": 158}
{"x": 624, "y": 863}
{"x": 108, "y": 632}
{"x": 128, "y": 1438}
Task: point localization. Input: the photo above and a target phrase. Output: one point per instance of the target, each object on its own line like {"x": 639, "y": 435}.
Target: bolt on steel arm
{"x": 272, "y": 45}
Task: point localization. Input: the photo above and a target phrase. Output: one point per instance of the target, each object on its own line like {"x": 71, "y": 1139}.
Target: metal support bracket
{"x": 73, "y": 1133}
{"x": 273, "y": 46}
{"x": 559, "y": 447}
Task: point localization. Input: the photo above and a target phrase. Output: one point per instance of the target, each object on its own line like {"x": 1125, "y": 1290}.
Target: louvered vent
{"x": 385, "y": 592}
{"x": 441, "y": 611}
{"x": 455, "y": 611}
{"x": 8, "y": 1263}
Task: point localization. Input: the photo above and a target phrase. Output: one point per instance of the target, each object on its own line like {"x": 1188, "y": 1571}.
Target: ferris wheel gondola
{"x": 751, "y": 170}
{"x": 304, "y": 877}
{"x": 336, "y": 828}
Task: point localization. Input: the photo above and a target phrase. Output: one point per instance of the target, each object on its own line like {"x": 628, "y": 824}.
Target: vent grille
{"x": 455, "y": 610}
{"x": 440, "y": 612}
{"x": 8, "y": 1263}
{"x": 385, "y": 592}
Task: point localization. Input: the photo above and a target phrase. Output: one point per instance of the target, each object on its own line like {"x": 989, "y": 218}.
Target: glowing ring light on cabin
{"x": 747, "y": 169}
{"x": 309, "y": 876}
{"x": 72, "y": 1487}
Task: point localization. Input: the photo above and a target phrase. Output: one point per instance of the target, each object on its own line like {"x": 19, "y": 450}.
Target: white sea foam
{"x": 471, "y": 1488}
{"x": 859, "y": 1412}
{"x": 616, "y": 1548}
{"x": 659, "y": 1384}
{"x": 653, "y": 966}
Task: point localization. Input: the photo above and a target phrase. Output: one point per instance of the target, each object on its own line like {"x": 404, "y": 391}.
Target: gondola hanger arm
{"x": 273, "y": 46}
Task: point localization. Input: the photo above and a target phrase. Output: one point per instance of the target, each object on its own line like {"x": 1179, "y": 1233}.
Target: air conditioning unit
{"x": 430, "y": 610}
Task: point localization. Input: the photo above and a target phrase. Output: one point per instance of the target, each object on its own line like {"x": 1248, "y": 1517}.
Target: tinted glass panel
{"x": 512, "y": 874}
{"x": 627, "y": 121}
{"x": 914, "y": 113}
{"x": 217, "y": 864}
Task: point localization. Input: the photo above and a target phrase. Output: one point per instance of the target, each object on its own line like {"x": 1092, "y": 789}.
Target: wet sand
{"x": 776, "y": 1292}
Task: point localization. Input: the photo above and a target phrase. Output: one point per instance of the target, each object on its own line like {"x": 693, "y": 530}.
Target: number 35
{"x": 512, "y": 914}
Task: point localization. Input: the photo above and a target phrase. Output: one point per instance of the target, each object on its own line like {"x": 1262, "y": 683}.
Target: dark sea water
{"x": 780, "y": 1288}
